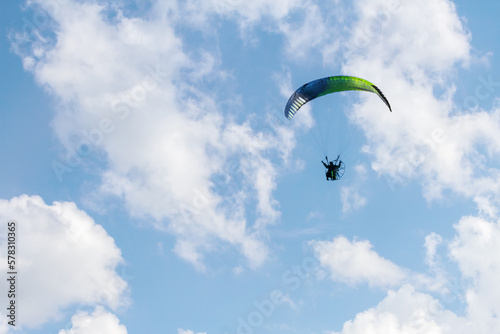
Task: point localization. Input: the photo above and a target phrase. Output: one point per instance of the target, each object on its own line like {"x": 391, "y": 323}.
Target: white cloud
{"x": 355, "y": 263}
{"x": 188, "y": 331}
{"x": 247, "y": 12}
{"x": 302, "y": 23}
{"x": 406, "y": 311}
{"x": 431, "y": 242}
{"x": 475, "y": 248}
{"x": 487, "y": 206}
{"x": 351, "y": 199}
{"x": 396, "y": 31}
{"x": 351, "y": 196}
{"x": 65, "y": 258}
{"x": 99, "y": 322}
{"x": 4, "y": 326}
{"x": 298, "y": 32}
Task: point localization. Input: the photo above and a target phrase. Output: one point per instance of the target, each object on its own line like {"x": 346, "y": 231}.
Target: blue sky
{"x": 158, "y": 188}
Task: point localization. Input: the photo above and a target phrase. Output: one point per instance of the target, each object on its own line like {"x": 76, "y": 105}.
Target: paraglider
{"x": 334, "y": 169}
{"x": 325, "y": 86}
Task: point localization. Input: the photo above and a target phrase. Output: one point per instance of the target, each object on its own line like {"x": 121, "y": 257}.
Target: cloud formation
{"x": 475, "y": 248}
{"x": 65, "y": 258}
{"x": 187, "y": 331}
{"x": 406, "y": 311}
{"x": 166, "y": 140}
{"x": 355, "y": 263}
{"x": 99, "y": 322}
{"x": 352, "y": 196}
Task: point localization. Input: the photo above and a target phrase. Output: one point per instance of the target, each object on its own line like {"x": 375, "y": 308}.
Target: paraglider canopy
{"x": 328, "y": 85}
